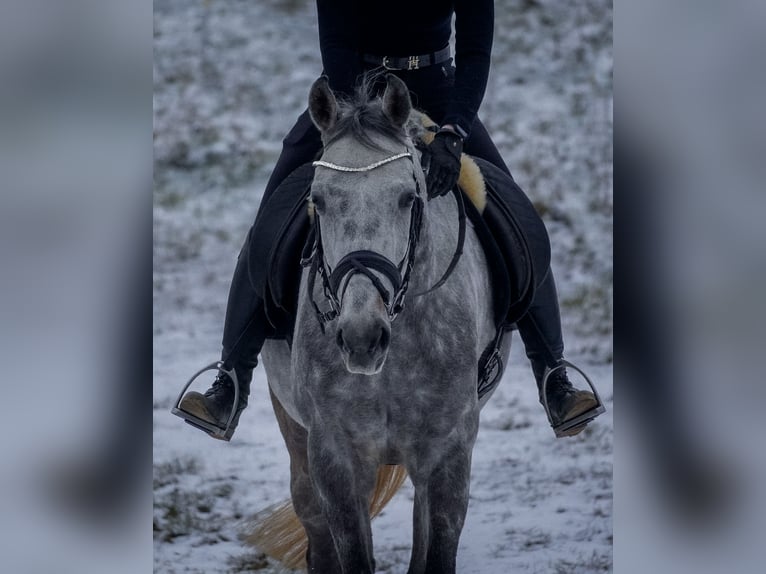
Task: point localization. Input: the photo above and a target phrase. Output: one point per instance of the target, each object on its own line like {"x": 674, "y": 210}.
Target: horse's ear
{"x": 396, "y": 101}
{"x": 323, "y": 106}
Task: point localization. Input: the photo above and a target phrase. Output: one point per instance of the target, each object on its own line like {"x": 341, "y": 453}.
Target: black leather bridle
{"x": 367, "y": 262}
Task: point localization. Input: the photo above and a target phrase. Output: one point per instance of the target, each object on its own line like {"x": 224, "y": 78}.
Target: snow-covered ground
{"x": 537, "y": 504}
{"x": 224, "y": 98}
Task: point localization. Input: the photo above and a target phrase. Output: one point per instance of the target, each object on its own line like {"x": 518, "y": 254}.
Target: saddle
{"x": 513, "y": 237}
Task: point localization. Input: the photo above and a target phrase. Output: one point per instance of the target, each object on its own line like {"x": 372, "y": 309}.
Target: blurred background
{"x": 689, "y": 148}
{"x": 76, "y": 162}
{"x": 75, "y": 285}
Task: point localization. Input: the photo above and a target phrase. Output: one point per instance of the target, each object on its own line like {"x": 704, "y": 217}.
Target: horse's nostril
{"x": 381, "y": 343}
{"x": 377, "y": 342}
{"x": 339, "y": 339}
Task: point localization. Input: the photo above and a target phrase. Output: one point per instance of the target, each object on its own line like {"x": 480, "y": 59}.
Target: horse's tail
{"x": 279, "y": 533}
{"x": 390, "y": 479}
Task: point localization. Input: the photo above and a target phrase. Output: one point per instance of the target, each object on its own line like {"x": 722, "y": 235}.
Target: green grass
{"x": 596, "y": 562}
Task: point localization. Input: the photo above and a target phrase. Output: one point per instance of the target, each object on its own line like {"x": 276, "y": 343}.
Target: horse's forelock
{"x": 361, "y": 117}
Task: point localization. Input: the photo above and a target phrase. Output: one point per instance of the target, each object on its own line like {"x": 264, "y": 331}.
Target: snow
{"x": 224, "y": 99}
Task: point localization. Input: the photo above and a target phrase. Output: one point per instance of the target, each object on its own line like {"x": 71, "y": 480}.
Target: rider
{"x": 410, "y": 40}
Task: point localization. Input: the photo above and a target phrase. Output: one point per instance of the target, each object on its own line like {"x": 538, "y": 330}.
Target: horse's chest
{"x": 386, "y": 405}
{"x": 427, "y": 383}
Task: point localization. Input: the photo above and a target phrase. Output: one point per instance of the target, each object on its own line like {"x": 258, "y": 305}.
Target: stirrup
{"x": 563, "y": 428}
{"x": 214, "y": 430}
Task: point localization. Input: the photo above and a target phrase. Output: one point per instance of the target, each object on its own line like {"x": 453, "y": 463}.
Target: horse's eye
{"x": 406, "y": 199}
{"x": 318, "y": 202}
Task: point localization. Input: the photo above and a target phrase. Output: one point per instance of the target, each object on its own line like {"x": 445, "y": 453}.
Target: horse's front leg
{"x": 320, "y": 555}
{"x": 420, "y": 528}
{"x": 446, "y": 504}
{"x": 344, "y": 484}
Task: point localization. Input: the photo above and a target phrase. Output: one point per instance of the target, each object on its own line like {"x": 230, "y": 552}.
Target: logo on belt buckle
{"x": 385, "y": 64}
{"x": 413, "y": 63}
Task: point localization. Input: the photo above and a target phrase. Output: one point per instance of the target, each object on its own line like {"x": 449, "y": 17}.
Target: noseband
{"x": 365, "y": 262}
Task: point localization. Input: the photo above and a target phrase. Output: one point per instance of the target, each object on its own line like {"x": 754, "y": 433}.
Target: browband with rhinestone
{"x": 370, "y": 167}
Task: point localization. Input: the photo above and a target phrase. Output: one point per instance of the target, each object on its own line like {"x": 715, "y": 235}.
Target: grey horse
{"x": 374, "y": 389}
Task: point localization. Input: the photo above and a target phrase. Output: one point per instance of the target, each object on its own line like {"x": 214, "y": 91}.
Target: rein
{"x": 365, "y": 262}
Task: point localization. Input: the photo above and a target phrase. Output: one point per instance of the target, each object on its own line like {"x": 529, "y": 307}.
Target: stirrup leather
{"x": 562, "y": 429}
{"x": 214, "y": 430}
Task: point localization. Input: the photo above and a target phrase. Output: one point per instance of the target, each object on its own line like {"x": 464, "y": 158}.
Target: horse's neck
{"x": 438, "y": 240}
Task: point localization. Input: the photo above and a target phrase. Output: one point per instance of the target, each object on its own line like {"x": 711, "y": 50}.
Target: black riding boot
{"x": 569, "y": 410}
{"x": 244, "y": 332}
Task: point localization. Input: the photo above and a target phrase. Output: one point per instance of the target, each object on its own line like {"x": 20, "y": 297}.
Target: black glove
{"x": 444, "y": 168}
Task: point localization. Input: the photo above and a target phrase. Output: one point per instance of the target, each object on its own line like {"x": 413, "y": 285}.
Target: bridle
{"x": 365, "y": 262}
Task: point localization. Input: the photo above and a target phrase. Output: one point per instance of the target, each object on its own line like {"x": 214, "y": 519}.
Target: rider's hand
{"x": 444, "y": 168}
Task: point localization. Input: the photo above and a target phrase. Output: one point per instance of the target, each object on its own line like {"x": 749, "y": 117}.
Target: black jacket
{"x": 350, "y": 28}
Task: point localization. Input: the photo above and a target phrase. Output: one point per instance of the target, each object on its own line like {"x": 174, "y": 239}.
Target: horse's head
{"x": 368, "y": 195}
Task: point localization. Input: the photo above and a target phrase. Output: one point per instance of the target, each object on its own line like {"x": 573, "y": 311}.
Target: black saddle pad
{"x": 515, "y": 242}
{"x": 276, "y": 241}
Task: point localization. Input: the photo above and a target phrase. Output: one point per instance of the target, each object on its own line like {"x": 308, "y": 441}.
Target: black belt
{"x": 408, "y": 62}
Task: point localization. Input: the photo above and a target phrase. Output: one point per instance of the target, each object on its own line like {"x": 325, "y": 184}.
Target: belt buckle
{"x": 413, "y": 63}
{"x": 385, "y": 64}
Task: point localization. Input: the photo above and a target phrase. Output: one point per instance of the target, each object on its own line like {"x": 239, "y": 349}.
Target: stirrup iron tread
{"x": 214, "y": 430}
{"x": 577, "y": 423}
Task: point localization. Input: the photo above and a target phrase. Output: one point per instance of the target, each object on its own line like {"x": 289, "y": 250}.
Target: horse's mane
{"x": 361, "y": 115}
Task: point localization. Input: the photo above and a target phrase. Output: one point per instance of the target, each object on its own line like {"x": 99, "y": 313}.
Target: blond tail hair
{"x": 279, "y": 533}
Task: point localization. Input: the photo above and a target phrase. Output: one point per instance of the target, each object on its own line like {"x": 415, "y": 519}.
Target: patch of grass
{"x": 537, "y": 539}
{"x": 162, "y": 405}
{"x": 600, "y": 512}
{"x": 168, "y": 199}
{"x": 532, "y": 538}
{"x": 184, "y": 248}
{"x": 586, "y": 434}
{"x": 592, "y": 306}
{"x": 508, "y": 423}
{"x": 590, "y": 532}
{"x": 223, "y": 490}
{"x": 222, "y": 235}
{"x": 596, "y": 562}
{"x": 178, "y": 513}
{"x": 571, "y": 475}
{"x": 250, "y": 562}
{"x": 542, "y": 207}
{"x": 166, "y": 473}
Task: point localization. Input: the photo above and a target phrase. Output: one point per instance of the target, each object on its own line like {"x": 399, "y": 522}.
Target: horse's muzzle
{"x": 364, "y": 345}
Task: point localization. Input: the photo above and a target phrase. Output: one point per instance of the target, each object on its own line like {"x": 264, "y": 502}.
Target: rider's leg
{"x": 540, "y": 328}
{"x": 245, "y": 319}
{"x": 245, "y": 315}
